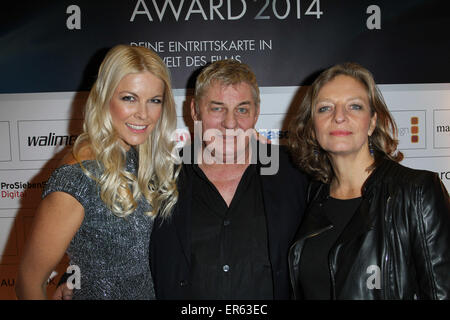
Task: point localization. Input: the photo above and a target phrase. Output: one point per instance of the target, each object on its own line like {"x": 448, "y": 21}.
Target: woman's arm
{"x": 56, "y": 221}
{"x": 432, "y": 241}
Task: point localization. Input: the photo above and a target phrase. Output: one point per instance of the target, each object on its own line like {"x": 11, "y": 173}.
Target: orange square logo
{"x": 414, "y": 129}
{"x": 414, "y": 120}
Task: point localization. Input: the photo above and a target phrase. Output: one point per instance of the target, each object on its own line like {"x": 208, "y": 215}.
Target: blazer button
{"x": 183, "y": 283}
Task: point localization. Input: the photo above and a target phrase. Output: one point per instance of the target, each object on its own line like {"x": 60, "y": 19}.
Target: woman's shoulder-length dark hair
{"x": 305, "y": 149}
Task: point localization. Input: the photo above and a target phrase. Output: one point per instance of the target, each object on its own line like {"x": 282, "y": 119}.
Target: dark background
{"x": 39, "y": 54}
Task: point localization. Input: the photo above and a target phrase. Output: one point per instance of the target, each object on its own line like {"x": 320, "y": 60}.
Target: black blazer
{"x": 284, "y": 196}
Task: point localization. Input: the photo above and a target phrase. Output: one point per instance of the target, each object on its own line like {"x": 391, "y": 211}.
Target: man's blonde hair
{"x": 226, "y": 72}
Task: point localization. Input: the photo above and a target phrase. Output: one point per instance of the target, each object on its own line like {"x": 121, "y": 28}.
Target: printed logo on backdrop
{"x": 43, "y": 139}
{"x": 275, "y": 136}
{"x": 445, "y": 176}
{"x": 438, "y": 164}
{"x": 411, "y": 129}
{"x": 5, "y": 141}
{"x": 22, "y": 188}
{"x": 441, "y": 126}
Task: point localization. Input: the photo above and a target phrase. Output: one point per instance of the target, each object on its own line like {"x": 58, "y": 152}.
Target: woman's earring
{"x": 316, "y": 152}
{"x": 370, "y": 146}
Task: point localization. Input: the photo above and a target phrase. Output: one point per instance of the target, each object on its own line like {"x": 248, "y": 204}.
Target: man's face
{"x": 224, "y": 109}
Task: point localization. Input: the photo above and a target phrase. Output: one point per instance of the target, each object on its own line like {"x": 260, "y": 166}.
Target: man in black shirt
{"x": 229, "y": 234}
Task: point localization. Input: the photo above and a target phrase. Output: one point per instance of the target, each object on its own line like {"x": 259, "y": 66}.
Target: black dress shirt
{"x": 229, "y": 249}
{"x": 283, "y": 194}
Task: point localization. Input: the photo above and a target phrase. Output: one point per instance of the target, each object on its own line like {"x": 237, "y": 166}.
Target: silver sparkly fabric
{"x": 111, "y": 252}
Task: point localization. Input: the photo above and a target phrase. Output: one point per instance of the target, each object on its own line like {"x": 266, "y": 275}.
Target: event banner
{"x": 49, "y": 46}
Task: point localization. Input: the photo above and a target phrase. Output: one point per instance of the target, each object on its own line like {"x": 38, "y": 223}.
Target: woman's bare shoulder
{"x": 85, "y": 152}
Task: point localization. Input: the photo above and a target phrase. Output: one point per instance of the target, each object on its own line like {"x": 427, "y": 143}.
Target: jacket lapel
{"x": 316, "y": 221}
{"x": 364, "y": 218}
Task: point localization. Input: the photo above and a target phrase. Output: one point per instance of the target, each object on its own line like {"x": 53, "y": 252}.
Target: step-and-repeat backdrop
{"x": 50, "y": 52}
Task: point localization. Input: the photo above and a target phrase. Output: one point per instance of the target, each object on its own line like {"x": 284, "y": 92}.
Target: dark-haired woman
{"x": 374, "y": 229}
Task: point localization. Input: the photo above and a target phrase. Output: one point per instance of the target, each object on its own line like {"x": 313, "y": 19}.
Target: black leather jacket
{"x": 397, "y": 244}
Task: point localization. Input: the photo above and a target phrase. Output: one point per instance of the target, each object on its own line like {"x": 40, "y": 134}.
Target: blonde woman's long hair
{"x": 157, "y": 172}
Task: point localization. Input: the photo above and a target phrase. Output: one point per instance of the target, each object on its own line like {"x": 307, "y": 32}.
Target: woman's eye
{"x": 323, "y": 108}
{"x": 128, "y": 98}
{"x": 156, "y": 100}
{"x": 356, "y": 107}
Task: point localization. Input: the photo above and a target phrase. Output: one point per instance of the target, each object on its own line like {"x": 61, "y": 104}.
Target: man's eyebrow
{"x": 242, "y": 103}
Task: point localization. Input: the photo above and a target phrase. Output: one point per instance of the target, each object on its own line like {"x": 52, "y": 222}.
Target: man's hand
{"x": 63, "y": 293}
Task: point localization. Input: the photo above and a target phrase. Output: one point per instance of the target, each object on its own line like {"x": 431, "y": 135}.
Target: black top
{"x": 395, "y": 247}
{"x": 229, "y": 249}
{"x": 314, "y": 269}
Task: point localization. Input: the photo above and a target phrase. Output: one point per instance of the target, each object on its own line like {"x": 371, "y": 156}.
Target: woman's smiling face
{"x": 136, "y": 106}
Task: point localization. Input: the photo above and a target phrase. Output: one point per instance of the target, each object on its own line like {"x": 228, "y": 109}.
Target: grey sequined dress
{"x": 111, "y": 252}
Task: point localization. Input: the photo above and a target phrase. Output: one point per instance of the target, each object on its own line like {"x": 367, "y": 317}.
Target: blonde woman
{"x": 100, "y": 204}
